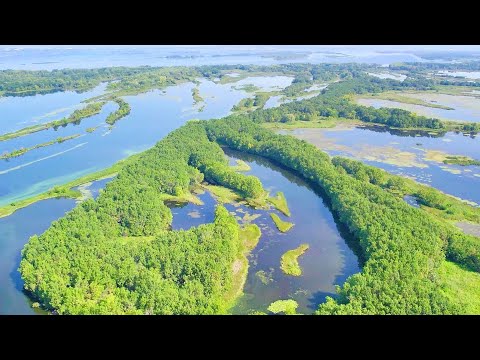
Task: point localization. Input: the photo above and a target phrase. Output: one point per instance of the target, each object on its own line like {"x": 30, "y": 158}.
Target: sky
{"x": 268, "y": 47}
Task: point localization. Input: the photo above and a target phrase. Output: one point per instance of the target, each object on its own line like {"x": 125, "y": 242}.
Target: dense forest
{"x": 395, "y": 238}
{"x": 116, "y": 254}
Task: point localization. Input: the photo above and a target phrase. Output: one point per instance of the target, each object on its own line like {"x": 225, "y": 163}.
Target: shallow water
{"x": 405, "y": 155}
{"x": 465, "y": 74}
{"x": 15, "y": 230}
{"x": 465, "y": 108}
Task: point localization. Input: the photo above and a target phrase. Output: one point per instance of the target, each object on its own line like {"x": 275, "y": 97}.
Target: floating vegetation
{"x": 264, "y": 276}
{"x": 289, "y": 261}
{"x": 288, "y": 307}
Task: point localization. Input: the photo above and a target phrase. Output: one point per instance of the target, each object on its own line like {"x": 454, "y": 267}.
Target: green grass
{"x": 289, "y": 307}
{"x": 247, "y": 87}
{"x": 91, "y": 129}
{"x": 20, "y": 152}
{"x": 184, "y": 198}
{"x": 280, "y": 203}
{"x": 461, "y": 287}
{"x": 222, "y": 194}
{"x": 283, "y": 226}
{"x": 289, "y": 261}
{"x": 241, "y": 166}
{"x": 249, "y": 236}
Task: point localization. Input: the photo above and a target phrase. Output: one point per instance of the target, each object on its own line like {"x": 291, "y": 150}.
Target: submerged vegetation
{"x": 20, "y": 152}
{"x": 289, "y": 261}
{"x": 282, "y": 226}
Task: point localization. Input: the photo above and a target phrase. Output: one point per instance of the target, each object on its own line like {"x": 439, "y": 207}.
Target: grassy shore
{"x": 249, "y": 236}
{"x": 241, "y": 166}
{"x": 280, "y": 203}
{"x": 289, "y": 261}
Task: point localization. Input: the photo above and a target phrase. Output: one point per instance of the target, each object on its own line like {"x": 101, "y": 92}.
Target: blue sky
{"x": 267, "y": 47}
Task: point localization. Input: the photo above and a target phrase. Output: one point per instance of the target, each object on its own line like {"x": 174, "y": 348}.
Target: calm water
{"x": 405, "y": 155}
{"x": 328, "y": 261}
{"x": 153, "y": 115}
{"x": 55, "y": 57}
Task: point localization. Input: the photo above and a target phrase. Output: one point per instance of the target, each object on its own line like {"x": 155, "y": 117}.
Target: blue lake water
{"x": 56, "y": 57}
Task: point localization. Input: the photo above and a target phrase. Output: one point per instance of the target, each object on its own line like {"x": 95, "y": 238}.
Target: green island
{"x": 91, "y": 129}
{"x": 76, "y": 117}
{"x": 460, "y": 160}
{"x": 282, "y": 226}
{"x": 289, "y": 261}
{"x": 20, "y": 152}
{"x": 288, "y": 307}
{"x": 123, "y": 110}
{"x": 280, "y": 203}
{"x": 196, "y": 96}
